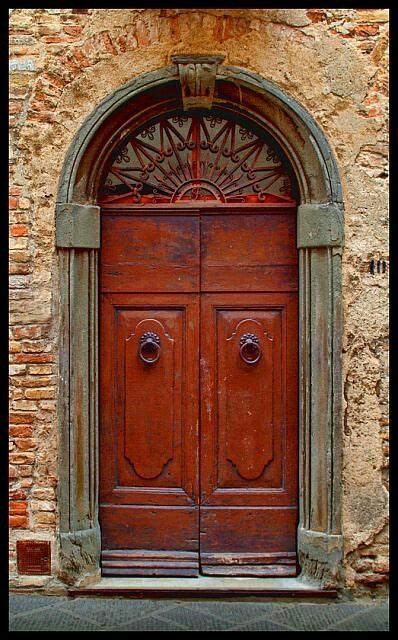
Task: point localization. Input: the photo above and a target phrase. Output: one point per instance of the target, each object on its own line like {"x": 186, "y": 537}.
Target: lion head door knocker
{"x": 250, "y": 350}
{"x": 149, "y": 347}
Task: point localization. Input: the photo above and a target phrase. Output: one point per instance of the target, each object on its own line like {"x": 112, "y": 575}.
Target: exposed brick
{"x": 26, "y": 444}
{"x": 42, "y": 505}
{"x": 19, "y": 230}
{"x": 47, "y": 493}
{"x": 16, "y": 369}
{"x": 37, "y": 394}
{"x": 25, "y": 470}
{"x": 24, "y": 203}
{"x": 19, "y": 269}
{"x": 80, "y": 59}
{"x": 45, "y": 517}
{"x": 36, "y": 381}
{"x": 17, "y": 494}
{"x": 107, "y": 43}
{"x": 34, "y": 357}
{"x": 14, "y": 347}
{"x": 38, "y": 370}
{"x": 142, "y": 34}
{"x": 73, "y": 30}
{"x": 316, "y": 15}
{"x": 20, "y": 522}
{"x": 14, "y": 191}
{"x": 371, "y": 579}
{"x": 364, "y": 30}
{"x": 18, "y": 243}
{"x": 21, "y": 418}
{"x": 22, "y": 458}
{"x": 59, "y": 39}
{"x": 12, "y": 473}
{"x": 15, "y": 106}
{"x": 18, "y": 507}
{"x": 54, "y": 81}
{"x": 33, "y": 346}
{"x": 19, "y": 256}
{"x": 26, "y": 482}
{"x": 28, "y": 331}
{"x": 21, "y": 431}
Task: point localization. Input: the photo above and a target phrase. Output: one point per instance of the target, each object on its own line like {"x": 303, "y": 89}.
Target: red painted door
{"x": 198, "y": 387}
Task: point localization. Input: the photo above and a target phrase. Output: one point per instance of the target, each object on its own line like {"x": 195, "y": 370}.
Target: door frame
{"x": 320, "y": 231}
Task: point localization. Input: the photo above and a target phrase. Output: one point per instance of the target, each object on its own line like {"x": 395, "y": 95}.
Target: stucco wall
{"x": 63, "y": 63}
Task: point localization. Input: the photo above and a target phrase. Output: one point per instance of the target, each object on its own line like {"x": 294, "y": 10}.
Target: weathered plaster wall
{"x": 63, "y": 63}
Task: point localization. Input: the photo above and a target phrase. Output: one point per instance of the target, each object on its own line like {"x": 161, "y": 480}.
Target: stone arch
{"x": 319, "y": 240}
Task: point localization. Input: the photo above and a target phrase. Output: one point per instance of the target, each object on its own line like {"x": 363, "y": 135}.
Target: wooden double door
{"x": 198, "y": 388}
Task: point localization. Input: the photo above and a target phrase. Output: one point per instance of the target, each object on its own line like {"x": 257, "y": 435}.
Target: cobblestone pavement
{"x": 60, "y": 613}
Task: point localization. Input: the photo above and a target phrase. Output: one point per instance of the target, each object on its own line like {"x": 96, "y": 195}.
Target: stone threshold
{"x": 202, "y": 586}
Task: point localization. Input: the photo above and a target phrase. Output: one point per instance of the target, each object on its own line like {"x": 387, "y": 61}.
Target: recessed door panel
{"x": 149, "y": 424}
{"x": 248, "y": 426}
{"x": 249, "y": 252}
{"x": 149, "y": 253}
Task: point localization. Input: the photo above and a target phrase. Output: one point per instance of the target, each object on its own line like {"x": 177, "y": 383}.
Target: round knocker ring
{"x": 149, "y": 349}
{"x": 250, "y": 350}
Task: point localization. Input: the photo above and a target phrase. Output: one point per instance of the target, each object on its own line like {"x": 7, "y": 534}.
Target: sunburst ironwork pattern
{"x": 196, "y": 158}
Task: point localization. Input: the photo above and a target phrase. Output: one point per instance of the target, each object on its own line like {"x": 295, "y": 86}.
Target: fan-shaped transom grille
{"x": 193, "y": 158}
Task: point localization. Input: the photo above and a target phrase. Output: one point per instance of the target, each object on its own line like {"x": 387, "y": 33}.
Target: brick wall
{"x": 63, "y": 63}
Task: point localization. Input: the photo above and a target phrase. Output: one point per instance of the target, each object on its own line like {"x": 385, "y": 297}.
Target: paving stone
{"x": 195, "y": 620}
{"x": 235, "y": 612}
{"x": 58, "y": 613}
{"x": 149, "y": 623}
{"x": 19, "y": 603}
{"x": 314, "y": 617}
{"x": 372, "y": 619}
{"x": 50, "y": 619}
{"x": 112, "y": 612}
{"x": 262, "y": 624}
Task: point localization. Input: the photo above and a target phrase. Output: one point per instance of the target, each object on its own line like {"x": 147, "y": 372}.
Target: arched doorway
{"x": 301, "y": 149}
{"x": 198, "y": 351}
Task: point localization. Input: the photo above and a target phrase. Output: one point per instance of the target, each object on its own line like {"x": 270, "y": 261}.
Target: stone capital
{"x": 319, "y": 225}
{"x": 77, "y": 226}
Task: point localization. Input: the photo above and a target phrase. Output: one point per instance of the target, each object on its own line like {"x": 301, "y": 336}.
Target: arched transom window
{"x": 198, "y": 158}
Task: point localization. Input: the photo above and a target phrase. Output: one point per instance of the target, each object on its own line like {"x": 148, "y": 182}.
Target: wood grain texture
{"x": 150, "y": 253}
{"x": 149, "y": 423}
{"x": 246, "y": 508}
{"x": 249, "y": 252}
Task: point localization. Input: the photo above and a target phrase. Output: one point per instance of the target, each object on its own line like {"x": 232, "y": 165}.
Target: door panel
{"x": 149, "y": 253}
{"x": 248, "y": 424}
{"x": 149, "y": 425}
{"x": 165, "y": 280}
{"x": 249, "y": 252}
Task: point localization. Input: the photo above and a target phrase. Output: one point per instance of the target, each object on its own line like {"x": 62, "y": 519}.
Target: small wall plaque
{"x": 34, "y": 557}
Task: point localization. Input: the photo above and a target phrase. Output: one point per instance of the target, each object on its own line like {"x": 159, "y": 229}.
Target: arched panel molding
{"x": 319, "y": 241}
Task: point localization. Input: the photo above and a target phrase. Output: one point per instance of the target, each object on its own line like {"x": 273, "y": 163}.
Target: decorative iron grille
{"x": 196, "y": 158}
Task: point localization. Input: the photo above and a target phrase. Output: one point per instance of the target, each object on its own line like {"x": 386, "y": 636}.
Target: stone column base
{"x": 320, "y": 557}
{"x": 79, "y": 556}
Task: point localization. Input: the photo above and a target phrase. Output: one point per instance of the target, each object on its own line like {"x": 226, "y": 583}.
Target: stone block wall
{"x": 63, "y": 63}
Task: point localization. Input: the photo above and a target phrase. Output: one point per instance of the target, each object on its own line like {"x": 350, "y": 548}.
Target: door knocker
{"x": 250, "y": 350}
{"x": 149, "y": 348}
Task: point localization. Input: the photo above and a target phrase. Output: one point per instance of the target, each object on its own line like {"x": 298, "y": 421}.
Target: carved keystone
{"x": 197, "y": 78}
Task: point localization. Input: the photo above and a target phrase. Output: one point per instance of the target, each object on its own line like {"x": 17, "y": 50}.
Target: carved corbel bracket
{"x": 197, "y": 78}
